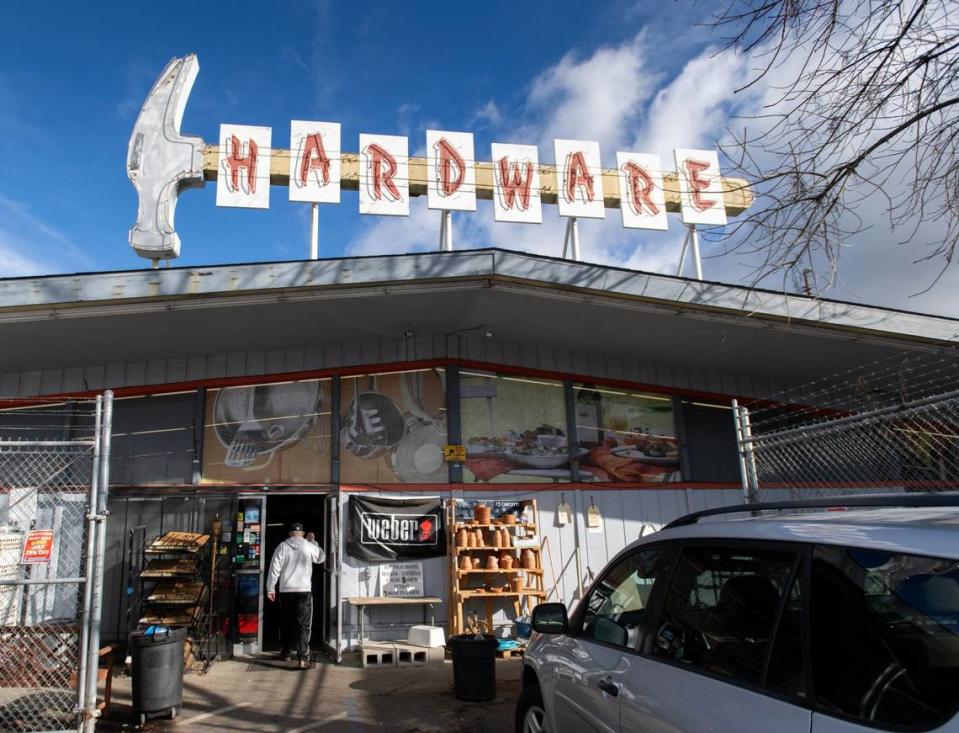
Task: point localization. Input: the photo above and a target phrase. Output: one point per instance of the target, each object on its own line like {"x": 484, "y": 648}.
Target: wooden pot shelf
{"x": 463, "y": 591}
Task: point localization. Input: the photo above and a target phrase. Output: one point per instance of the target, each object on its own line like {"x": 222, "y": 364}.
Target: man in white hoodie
{"x": 292, "y": 566}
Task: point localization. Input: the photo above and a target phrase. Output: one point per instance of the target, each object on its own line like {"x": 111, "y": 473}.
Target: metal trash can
{"x": 157, "y": 669}
{"x": 474, "y": 666}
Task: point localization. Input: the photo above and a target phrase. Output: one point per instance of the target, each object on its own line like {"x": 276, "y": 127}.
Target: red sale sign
{"x": 37, "y": 547}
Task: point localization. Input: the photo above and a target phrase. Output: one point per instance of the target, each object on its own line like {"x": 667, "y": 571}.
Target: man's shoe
{"x": 305, "y": 664}
{"x": 287, "y": 656}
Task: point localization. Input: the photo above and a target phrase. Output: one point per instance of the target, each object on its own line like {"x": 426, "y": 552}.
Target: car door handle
{"x": 609, "y": 688}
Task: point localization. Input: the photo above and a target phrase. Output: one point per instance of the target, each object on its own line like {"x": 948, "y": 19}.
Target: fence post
{"x": 96, "y": 596}
{"x": 88, "y": 559}
{"x": 744, "y": 448}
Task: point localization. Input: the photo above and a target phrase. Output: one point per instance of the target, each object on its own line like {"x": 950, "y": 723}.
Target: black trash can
{"x": 157, "y": 669}
{"x": 474, "y": 666}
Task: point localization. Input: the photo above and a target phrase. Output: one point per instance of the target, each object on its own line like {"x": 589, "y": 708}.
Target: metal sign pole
{"x": 741, "y": 450}
{"x": 694, "y": 238}
{"x": 314, "y": 231}
{"x": 571, "y": 240}
{"x": 682, "y": 255}
{"x": 446, "y": 231}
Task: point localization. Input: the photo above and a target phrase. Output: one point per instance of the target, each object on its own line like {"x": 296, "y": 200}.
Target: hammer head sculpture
{"x": 161, "y": 162}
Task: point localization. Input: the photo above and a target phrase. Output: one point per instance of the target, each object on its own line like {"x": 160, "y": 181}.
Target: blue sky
{"x": 641, "y": 76}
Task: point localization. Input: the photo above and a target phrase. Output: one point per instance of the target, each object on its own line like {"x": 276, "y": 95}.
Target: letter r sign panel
{"x": 384, "y": 175}
{"x": 643, "y": 200}
{"x": 243, "y": 176}
{"x": 451, "y": 172}
{"x": 700, "y": 187}
{"x": 315, "y": 162}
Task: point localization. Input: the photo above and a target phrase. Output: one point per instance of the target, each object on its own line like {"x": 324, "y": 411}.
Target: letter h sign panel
{"x": 243, "y": 178}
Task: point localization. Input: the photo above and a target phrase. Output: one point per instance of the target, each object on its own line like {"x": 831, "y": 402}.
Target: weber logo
{"x": 399, "y": 529}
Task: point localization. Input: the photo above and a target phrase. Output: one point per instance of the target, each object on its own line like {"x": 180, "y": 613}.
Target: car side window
{"x": 616, "y": 606}
{"x": 720, "y": 611}
{"x": 885, "y": 636}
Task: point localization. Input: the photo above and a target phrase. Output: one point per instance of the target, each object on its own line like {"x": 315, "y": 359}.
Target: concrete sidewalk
{"x": 265, "y": 694}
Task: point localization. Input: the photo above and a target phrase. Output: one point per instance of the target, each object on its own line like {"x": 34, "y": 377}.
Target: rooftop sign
{"x": 161, "y": 162}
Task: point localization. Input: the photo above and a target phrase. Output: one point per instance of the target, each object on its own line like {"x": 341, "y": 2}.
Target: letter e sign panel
{"x": 315, "y": 162}
{"x": 243, "y": 177}
{"x": 579, "y": 175}
{"x": 451, "y": 174}
{"x": 384, "y": 175}
{"x": 700, "y": 187}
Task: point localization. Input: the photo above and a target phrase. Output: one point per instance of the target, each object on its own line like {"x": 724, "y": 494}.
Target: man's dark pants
{"x": 296, "y": 610}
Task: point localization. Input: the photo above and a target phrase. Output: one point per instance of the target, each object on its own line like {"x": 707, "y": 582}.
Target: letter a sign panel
{"x": 315, "y": 162}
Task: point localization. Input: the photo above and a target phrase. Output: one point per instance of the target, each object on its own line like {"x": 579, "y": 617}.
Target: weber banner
{"x": 384, "y": 530}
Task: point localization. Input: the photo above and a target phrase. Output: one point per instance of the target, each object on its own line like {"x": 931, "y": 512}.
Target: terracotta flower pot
{"x": 518, "y": 584}
{"x": 466, "y": 562}
{"x": 509, "y": 518}
{"x": 506, "y": 561}
{"x": 461, "y": 538}
{"x": 481, "y": 514}
{"x": 492, "y": 563}
{"x": 528, "y": 560}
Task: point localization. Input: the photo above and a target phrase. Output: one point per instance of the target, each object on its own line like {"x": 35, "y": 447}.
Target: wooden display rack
{"x": 463, "y": 582}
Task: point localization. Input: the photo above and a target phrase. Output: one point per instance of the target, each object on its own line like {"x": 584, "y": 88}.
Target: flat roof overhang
{"x": 527, "y": 300}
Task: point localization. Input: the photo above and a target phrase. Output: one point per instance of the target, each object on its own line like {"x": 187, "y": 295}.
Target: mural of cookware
{"x": 254, "y": 423}
{"x": 404, "y": 432}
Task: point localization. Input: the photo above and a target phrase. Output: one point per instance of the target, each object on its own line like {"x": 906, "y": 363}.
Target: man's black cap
{"x": 296, "y": 527}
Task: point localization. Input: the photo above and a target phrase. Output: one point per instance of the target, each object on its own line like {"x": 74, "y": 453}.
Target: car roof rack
{"x": 905, "y": 500}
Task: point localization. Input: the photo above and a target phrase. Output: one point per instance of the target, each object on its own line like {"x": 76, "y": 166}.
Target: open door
{"x": 331, "y": 586}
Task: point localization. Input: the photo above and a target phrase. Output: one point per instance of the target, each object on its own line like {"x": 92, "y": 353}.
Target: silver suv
{"x": 821, "y": 621}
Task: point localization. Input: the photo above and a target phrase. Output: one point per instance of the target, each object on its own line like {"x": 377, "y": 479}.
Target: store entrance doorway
{"x": 310, "y": 510}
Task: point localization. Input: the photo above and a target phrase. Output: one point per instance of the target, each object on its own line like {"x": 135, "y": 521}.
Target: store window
{"x": 885, "y": 636}
{"x": 393, "y": 428}
{"x": 514, "y": 429}
{"x": 269, "y": 434}
{"x": 720, "y": 612}
{"x": 616, "y": 607}
{"x": 625, "y": 436}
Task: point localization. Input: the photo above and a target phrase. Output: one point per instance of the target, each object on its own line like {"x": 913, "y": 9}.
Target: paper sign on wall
{"x": 315, "y": 162}
{"x": 384, "y": 175}
{"x": 516, "y": 184}
{"x": 37, "y": 547}
{"x": 641, "y": 191}
{"x": 579, "y": 174}
{"x": 700, "y": 187}
{"x": 594, "y": 520}
{"x": 401, "y": 580}
{"x": 243, "y": 176}
{"x": 451, "y": 171}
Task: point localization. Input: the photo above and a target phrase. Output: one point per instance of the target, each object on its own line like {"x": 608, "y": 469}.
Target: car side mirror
{"x": 550, "y": 618}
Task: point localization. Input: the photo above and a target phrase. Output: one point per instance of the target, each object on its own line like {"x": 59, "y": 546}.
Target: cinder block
{"x": 411, "y": 655}
{"x": 378, "y": 655}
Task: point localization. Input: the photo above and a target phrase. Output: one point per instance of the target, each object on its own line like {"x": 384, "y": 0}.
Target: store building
{"x": 275, "y": 391}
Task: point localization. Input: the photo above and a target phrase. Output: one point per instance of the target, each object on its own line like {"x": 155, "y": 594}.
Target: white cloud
{"x": 618, "y": 95}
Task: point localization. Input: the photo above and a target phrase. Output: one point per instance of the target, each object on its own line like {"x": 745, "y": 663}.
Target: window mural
{"x": 268, "y": 434}
{"x": 514, "y": 429}
{"x": 625, "y": 436}
{"x": 393, "y": 428}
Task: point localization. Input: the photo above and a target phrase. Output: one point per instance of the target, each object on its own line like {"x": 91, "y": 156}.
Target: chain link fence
{"x": 49, "y": 470}
{"x": 891, "y": 425}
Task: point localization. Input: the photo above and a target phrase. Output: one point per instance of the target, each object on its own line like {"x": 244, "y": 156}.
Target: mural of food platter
{"x": 544, "y": 453}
